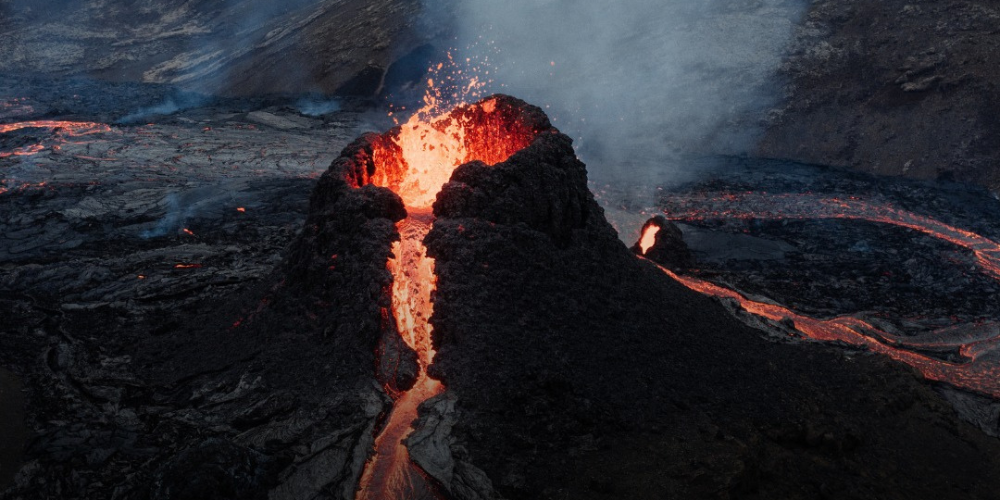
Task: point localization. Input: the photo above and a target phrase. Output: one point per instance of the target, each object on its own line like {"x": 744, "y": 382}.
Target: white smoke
{"x": 639, "y": 84}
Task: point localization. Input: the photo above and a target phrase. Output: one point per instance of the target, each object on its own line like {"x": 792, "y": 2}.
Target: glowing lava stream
{"x": 64, "y": 128}
{"x": 415, "y": 161}
{"x": 980, "y": 371}
{"x": 391, "y": 474}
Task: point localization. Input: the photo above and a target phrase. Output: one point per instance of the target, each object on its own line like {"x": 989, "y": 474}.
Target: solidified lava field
{"x": 202, "y": 304}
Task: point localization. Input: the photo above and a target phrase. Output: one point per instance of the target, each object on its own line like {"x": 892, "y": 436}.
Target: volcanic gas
{"x": 415, "y": 160}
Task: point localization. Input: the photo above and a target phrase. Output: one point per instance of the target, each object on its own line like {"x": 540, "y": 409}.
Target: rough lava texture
{"x": 267, "y": 391}
{"x": 214, "y": 47}
{"x": 894, "y": 87}
{"x": 669, "y": 248}
{"x": 305, "y": 342}
{"x": 576, "y": 370}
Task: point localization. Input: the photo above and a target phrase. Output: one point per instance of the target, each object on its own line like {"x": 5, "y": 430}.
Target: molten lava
{"x": 978, "y": 345}
{"x": 426, "y": 150}
{"x": 415, "y": 160}
{"x": 648, "y": 237}
{"x": 61, "y": 129}
{"x": 71, "y": 129}
{"x": 804, "y": 206}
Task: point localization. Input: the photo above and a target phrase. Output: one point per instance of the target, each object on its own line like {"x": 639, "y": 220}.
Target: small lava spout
{"x": 976, "y": 369}
{"x": 415, "y": 160}
{"x": 648, "y": 237}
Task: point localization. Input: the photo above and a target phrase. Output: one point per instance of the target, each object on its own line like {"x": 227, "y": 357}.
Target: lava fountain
{"x": 415, "y": 160}
{"x": 648, "y": 238}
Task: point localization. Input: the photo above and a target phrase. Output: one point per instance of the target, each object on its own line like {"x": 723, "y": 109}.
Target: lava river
{"x": 978, "y": 345}
{"x": 415, "y": 161}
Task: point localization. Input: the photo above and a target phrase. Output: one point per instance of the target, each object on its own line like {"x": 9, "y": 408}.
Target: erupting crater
{"x": 415, "y": 160}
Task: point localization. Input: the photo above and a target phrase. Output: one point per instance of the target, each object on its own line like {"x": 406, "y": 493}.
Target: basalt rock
{"x": 893, "y": 88}
{"x": 580, "y": 371}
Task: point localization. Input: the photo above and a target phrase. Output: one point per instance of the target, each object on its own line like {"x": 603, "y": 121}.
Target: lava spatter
{"x": 648, "y": 238}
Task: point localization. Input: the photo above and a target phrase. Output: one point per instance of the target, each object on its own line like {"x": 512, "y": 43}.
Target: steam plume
{"x": 637, "y": 83}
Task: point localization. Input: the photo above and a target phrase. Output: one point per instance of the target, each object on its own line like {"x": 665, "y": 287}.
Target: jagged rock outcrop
{"x": 895, "y": 87}
{"x": 325, "y": 46}
{"x": 435, "y": 450}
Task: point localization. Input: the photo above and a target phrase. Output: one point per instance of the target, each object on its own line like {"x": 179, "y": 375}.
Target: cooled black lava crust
{"x": 585, "y": 372}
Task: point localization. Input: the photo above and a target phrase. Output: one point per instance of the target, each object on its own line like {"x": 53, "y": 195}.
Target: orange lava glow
{"x": 977, "y": 345}
{"x": 72, "y": 129}
{"x": 415, "y": 160}
{"x": 63, "y": 129}
{"x": 391, "y": 474}
{"x": 803, "y": 206}
{"x": 648, "y": 237}
{"x": 430, "y": 148}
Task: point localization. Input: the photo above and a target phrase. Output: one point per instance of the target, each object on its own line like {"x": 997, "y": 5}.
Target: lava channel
{"x": 415, "y": 160}
{"x": 978, "y": 371}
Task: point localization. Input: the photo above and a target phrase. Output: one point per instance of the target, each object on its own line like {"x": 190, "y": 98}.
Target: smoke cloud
{"x": 639, "y": 84}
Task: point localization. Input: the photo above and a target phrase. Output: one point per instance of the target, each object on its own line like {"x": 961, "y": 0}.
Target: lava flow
{"x": 61, "y": 129}
{"x": 415, "y": 161}
{"x": 978, "y": 346}
{"x": 804, "y": 206}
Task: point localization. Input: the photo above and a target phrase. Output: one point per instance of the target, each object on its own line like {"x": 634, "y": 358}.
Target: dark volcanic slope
{"x": 894, "y": 87}
{"x": 581, "y": 371}
{"x": 242, "y": 48}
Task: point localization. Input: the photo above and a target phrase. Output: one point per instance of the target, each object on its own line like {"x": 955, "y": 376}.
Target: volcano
{"x": 456, "y": 318}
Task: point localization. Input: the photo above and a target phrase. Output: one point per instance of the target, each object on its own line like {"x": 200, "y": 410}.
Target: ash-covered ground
{"x": 184, "y": 326}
